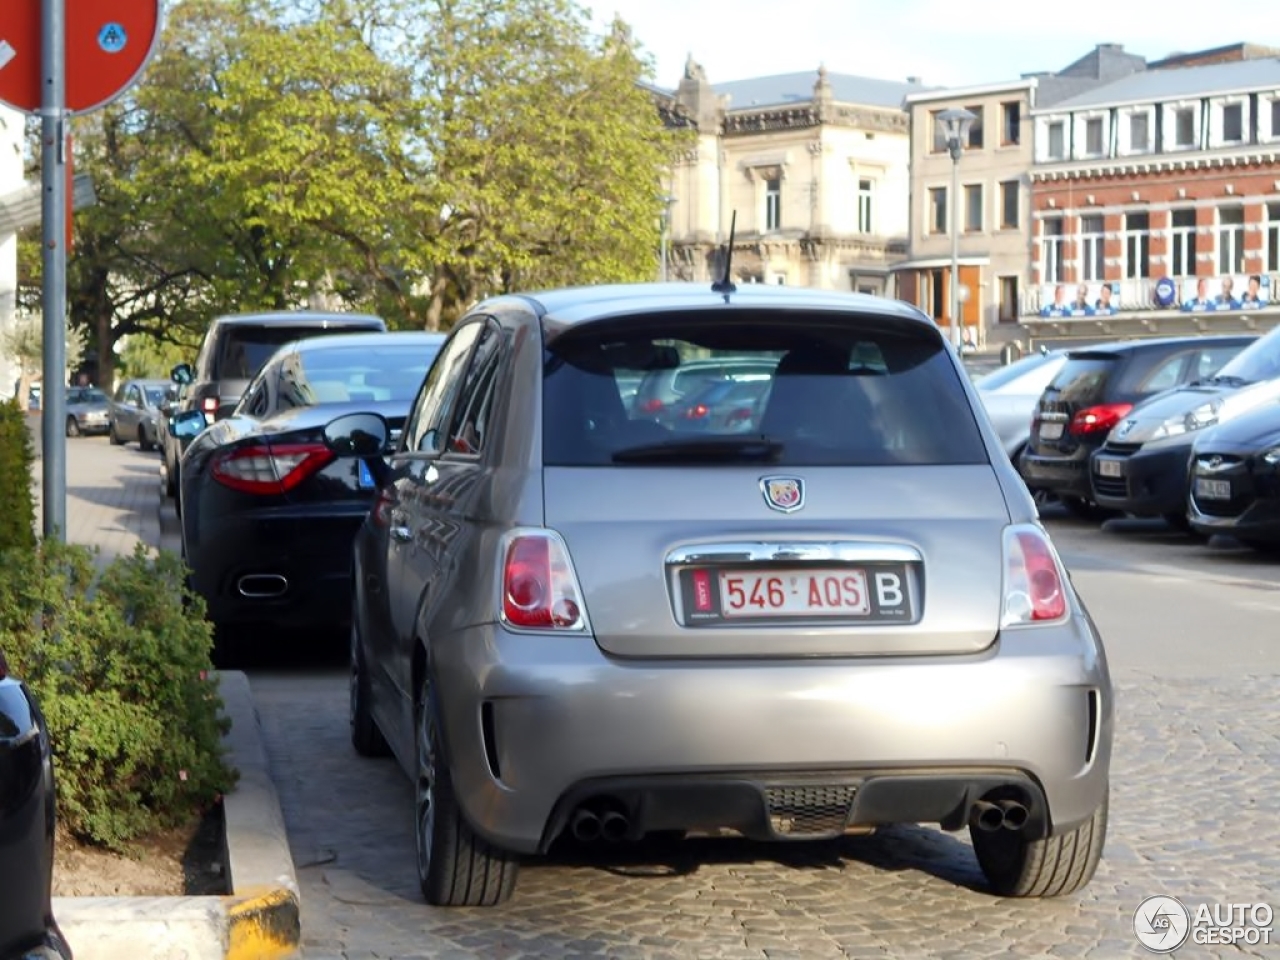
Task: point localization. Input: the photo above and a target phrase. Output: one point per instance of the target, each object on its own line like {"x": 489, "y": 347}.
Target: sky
{"x": 943, "y": 42}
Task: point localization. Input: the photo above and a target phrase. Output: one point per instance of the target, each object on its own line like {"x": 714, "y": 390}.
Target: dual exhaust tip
{"x": 994, "y": 815}
{"x": 590, "y": 823}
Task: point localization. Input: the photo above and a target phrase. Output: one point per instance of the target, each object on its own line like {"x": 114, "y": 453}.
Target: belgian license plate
{"x": 1207, "y": 489}
{"x": 366, "y": 476}
{"x": 1050, "y": 431}
{"x": 1108, "y": 468}
{"x": 877, "y": 593}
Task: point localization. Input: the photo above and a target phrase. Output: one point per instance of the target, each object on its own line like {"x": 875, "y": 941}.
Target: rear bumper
{"x": 1065, "y": 476}
{"x": 1152, "y": 481}
{"x": 311, "y": 553}
{"x": 535, "y": 726}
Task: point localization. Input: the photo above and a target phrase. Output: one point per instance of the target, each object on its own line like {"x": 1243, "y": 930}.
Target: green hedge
{"x": 120, "y": 661}
{"x": 17, "y": 508}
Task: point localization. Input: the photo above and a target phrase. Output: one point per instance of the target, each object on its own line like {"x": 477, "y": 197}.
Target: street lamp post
{"x": 955, "y": 124}
{"x": 667, "y": 201}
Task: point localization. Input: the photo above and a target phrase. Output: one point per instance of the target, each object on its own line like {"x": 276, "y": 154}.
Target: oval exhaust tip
{"x": 256, "y": 586}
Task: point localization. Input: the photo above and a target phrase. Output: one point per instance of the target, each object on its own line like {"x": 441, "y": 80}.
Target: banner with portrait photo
{"x": 1091, "y": 299}
{"x": 1231, "y": 292}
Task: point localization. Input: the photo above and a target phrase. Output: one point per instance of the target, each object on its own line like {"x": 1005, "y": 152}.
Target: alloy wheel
{"x": 425, "y": 792}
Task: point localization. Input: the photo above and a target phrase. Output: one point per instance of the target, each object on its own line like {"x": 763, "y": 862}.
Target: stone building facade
{"x": 815, "y": 167}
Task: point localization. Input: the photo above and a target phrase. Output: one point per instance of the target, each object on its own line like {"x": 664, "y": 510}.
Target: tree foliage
{"x": 407, "y": 157}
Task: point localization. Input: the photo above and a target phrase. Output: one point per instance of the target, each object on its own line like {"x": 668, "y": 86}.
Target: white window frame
{"x": 1049, "y": 125}
{"x": 1229, "y": 247}
{"x": 1171, "y": 125}
{"x": 1084, "y": 123}
{"x": 930, "y": 223}
{"x": 866, "y": 205}
{"x": 1125, "y": 133}
{"x": 1135, "y": 241}
{"x": 1184, "y": 238}
{"x": 1266, "y": 107}
{"x": 1093, "y": 249}
{"x": 982, "y": 213}
{"x": 1017, "y": 207}
{"x": 1218, "y": 117}
{"x": 1271, "y": 238}
{"x": 1051, "y": 249}
{"x": 772, "y": 205}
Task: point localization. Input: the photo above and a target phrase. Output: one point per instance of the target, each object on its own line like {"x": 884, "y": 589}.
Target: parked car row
{"x": 1187, "y": 429}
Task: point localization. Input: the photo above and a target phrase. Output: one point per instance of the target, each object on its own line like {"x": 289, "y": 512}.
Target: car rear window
{"x": 1084, "y": 377}
{"x": 841, "y": 392}
{"x": 246, "y": 350}
{"x": 390, "y": 374}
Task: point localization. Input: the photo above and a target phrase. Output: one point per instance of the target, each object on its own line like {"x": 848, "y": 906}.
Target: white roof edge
{"x": 1064, "y": 107}
{"x": 954, "y": 93}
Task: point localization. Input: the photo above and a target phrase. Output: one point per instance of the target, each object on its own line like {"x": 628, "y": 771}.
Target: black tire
{"x": 456, "y": 868}
{"x": 365, "y": 735}
{"x": 73, "y": 428}
{"x": 143, "y": 443}
{"x": 1087, "y": 509}
{"x": 1271, "y": 547}
{"x": 1050, "y": 867}
{"x": 1178, "y": 521}
{"x": 113, "y": 436}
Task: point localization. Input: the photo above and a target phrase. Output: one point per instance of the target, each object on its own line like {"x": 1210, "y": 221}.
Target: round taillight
{"x": 525, "y": 589}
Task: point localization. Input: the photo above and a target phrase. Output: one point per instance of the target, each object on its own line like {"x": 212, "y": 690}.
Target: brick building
{"x": 1163, "y": 186}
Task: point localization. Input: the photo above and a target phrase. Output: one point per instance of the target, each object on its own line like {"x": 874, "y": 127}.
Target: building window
{"x": 1093, "y": 136}
{"x": 937, "y": 294}
{"x": 1057, "y": 141}
{"x": 1051, "y": 244}
{"x": 1275, "y": 118}
{"x": 1011, "y": 123}
{"x": 937, "y": 209}
{"x": 1231, "y": 240}
{"x": 975, "y": 130}
{"x": 1183, "y": 235}
{"x": 1233, "y": 123}
{"x": 1008, "y": 299}
{"x": 1137, "y": 246}
{"x": 973, "y": 207}
{"x": 1091, "y": 247}
{"x": 939, "y": 135}
{"x": 1184, "y": 127}
{"x": 773, "y": 204}
{"x": 1273, "y": 237}
{"x": 864, "y": 207}
{"x": 1010, "y": 205}
{"x": 1139, "y": 132}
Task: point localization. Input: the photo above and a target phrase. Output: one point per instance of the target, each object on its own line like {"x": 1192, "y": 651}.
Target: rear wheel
{"x": 365, "y": 735}
{"x": 456, "y": 868}
{"x": 1049, "y": 867}
{"x": 143, "y": 443}
{"x": 73, "y": 428}
{"x": 112, "y": 435}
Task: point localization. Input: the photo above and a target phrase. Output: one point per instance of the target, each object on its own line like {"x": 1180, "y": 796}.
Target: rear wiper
{"x": 728, "y": 449}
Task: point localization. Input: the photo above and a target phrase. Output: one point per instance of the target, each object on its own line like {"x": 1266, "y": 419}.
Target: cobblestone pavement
{"x": 1194, "y": 814}
{"x": 1195, "y": 801}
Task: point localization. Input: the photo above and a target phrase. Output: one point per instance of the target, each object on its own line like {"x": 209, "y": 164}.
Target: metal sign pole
{"x": 53, "y": 159}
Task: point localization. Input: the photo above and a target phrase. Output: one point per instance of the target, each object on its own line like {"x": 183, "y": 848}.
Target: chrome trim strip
{"x": 841, "y": 551}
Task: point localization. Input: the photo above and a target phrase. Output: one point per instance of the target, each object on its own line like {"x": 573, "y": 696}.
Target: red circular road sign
{"x": 108, "y": 44}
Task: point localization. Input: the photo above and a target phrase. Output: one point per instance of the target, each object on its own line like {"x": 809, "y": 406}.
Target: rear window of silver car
{"x": 840, "y": 392}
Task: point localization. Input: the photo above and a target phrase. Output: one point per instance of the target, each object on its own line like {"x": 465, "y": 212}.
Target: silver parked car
{"x": 137, "y": 410}
{"x": 88, "y": 410}
{"x": 1009, "y": 394}
{"x": 570, "y": 618}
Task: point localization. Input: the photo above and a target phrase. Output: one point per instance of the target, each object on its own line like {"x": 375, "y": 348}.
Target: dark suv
{"x": 1093, "y": 391}
{"x": 235, "y": 348}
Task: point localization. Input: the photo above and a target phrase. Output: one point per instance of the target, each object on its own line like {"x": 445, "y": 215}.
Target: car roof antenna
{"x": 725, "y": 284}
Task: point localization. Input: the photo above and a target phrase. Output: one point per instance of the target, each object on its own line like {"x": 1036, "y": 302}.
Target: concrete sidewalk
{"x": 114, "y": 504}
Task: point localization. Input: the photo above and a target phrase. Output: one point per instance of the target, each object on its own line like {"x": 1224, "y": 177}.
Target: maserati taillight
{"x": 268, "y": 470}
{"x": 539, "y": 588}
{"x": 1034, "y": 587}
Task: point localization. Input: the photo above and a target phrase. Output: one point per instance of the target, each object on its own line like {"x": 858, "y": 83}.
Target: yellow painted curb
{"x": 263, "y": 925}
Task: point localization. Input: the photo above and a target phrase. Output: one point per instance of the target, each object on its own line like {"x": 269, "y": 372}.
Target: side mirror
{"x": 357, "y": 435}
{"x": 182, "y": 373}
{"x": 186, "y": 425}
